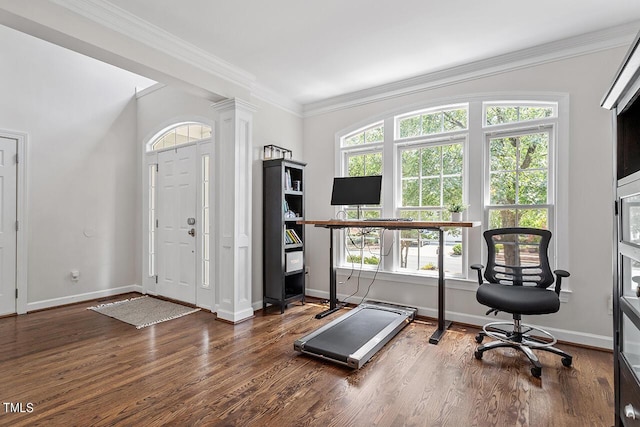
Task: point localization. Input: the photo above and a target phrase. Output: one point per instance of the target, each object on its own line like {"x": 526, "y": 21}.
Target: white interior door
{"x": 176, "y": 224}
{"x": 8, "y": 233}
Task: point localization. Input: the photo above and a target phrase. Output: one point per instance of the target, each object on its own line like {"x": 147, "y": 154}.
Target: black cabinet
{"x": 283, "y": 279}
{"x": 622, "y": 98}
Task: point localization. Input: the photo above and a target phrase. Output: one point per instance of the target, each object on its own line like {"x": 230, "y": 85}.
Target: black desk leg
{"x": 333, "y": 297}
{"x": 443, "y": 325}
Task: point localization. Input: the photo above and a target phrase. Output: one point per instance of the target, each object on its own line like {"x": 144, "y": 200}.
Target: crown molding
{"x": 234, "y": 103}
{"x": 562, "y": 49}
{"x": 117, "y": 19}
{"x": 284, "y": 103}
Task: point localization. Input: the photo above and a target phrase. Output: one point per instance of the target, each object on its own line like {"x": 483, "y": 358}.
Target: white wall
{"x": 85, "y": 135}
{"x": 270, "y": 126}
{"x": 79, "y": 115}
{"x": 584, "y": 318}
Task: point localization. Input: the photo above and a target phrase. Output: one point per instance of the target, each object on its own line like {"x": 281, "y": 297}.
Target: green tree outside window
{"x": 519, "y": 176}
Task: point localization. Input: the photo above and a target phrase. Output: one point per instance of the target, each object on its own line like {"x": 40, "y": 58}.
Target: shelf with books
{"x": 292, "y": 179}
{"x": 283, "y": 238}
{"x": 291, "y": 237}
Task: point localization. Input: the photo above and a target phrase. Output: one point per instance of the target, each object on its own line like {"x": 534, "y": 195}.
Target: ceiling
{"x": 308, "y": 51}
{"x": 312, "y": 56}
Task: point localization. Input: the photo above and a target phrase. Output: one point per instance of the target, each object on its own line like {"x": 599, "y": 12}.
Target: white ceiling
{"x": 312, "y": 50}
{"x": 308, "y": 51}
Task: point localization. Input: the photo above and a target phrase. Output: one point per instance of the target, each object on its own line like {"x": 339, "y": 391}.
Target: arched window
{"x": 497, "y": 157}
{"x": 179, "y": 134}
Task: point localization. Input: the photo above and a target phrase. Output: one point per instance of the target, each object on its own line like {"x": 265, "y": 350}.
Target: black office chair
{"x": 518, "y": 276}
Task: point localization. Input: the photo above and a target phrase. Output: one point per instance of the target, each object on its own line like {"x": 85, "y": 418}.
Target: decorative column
{"x": 233, "y": 136}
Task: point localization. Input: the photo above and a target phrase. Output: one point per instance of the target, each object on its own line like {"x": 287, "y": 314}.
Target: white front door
{"x": 8, "y": 217}
{"x": 176, "y": 224}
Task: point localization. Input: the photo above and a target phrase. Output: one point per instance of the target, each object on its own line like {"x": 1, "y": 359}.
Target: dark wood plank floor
{"x": 78, "y": 367}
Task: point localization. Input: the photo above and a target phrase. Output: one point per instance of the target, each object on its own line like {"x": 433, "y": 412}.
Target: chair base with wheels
{"x": 517, "y": 277}
{"x": 520, "y": 339}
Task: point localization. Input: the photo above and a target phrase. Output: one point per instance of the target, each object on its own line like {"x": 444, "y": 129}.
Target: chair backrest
{"x": 518, "y": 256}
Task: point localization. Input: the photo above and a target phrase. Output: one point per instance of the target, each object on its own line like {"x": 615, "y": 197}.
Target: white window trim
{"x": 345, "y": 153}
{"x": 152, "y": 139}
{"x": 549, "y": 127}
{"x": 515, "y": 103}
{"x": 476, "y": 250}
{"x": 459, "y": 137}
{"x": 434, "y": 109}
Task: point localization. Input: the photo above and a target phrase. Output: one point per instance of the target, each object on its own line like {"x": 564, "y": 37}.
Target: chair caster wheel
{"x": 536, "y": 372}
{"x": 566, "y": 361}
{"x": 479, "y": 338}
{"x": 478, "y": 354}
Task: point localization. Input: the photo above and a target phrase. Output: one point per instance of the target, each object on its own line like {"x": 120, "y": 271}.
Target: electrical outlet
{"x": 610, "y": 304}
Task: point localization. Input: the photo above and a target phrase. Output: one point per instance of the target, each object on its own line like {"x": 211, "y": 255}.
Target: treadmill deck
{"x": 353, "y": 338}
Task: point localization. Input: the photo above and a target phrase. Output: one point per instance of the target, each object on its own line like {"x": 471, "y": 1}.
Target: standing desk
{"x": 438, "y": 226}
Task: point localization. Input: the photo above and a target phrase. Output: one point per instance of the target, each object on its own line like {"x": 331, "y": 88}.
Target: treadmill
{"x": 353, "y": 338}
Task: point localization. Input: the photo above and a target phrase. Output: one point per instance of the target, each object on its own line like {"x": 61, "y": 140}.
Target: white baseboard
{"x": 234, "y": 317}
{"x": 55, "y": 302}
{"x": 576, "y": 337}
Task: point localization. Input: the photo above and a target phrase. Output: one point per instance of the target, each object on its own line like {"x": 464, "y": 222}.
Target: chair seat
{"x": 518, "y": 299}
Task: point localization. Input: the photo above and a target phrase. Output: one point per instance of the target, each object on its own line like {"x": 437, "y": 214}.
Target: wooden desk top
{"x": 337, "y": 223}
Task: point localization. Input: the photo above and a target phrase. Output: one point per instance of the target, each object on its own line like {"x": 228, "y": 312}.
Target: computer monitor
{"x": 356, "y": 190}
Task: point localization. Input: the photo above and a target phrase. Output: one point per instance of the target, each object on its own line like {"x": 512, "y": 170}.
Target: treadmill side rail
{"x": 366, "y": 352}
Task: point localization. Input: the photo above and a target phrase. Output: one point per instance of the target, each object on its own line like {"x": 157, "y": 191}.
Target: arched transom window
{"x": 180, "y": 134}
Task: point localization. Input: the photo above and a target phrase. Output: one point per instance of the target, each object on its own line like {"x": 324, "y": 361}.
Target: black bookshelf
{"x": 283, "y": 279}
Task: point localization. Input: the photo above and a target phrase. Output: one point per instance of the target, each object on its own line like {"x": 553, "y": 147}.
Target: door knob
{"x": 192, "y": 232}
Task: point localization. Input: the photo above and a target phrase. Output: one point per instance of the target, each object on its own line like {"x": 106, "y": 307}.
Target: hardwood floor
{"x": 78, "y": 367}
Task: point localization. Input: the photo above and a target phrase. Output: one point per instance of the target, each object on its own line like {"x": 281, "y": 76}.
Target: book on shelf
{"x": 287, "y": 181}
{"x": 291, "y": 237}
{"x": 287, "y": 238}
